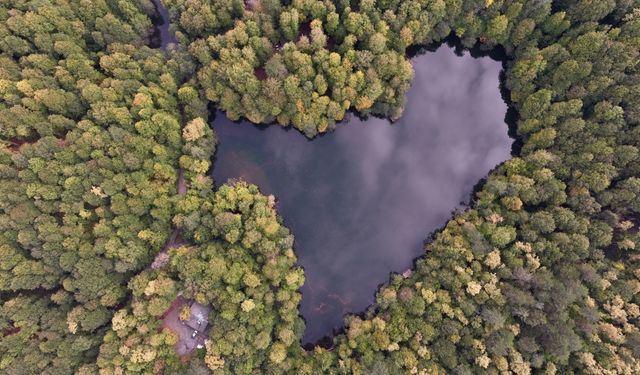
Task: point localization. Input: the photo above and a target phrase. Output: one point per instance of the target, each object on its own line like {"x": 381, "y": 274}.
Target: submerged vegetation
{"x": 540, "y": 275}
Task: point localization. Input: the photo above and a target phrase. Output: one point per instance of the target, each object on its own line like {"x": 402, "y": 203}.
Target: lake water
{"x": 362, "y": 199}
{"x": 162, "y": 37}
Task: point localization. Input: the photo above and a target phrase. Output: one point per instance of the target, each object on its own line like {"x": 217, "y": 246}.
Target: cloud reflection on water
{"x": 361, "y": 200}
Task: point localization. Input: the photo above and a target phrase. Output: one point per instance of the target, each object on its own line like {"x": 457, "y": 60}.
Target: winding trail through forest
{"x": 187, "y": 342}
{"x": 167, "y": 38}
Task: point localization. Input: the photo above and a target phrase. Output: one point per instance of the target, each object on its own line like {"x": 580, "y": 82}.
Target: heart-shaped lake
{"x": 361, "y": 200}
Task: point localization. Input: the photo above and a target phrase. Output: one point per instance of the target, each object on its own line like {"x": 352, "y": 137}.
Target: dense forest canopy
{"x": 100, "y": 133}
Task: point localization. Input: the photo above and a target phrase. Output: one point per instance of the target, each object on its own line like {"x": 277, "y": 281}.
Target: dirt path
{"x": 174, "y": 241}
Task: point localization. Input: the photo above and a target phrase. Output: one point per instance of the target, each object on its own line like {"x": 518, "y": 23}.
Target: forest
{"x": 105, "y": 150}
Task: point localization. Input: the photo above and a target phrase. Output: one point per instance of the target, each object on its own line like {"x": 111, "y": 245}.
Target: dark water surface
{"x": 163, "y": 37}
{"x": 361, "y": 200}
